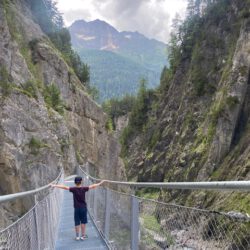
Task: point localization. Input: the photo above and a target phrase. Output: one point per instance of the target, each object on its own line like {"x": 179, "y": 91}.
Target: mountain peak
{"x": 101, "y": 30}
{"x": 98, "y": 21}
{"x": 102, "y": 24}
{"x": 93, "y": 22}
{"x": 118, "y": 59}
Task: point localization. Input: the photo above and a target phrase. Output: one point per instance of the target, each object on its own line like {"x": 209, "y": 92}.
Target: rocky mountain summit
{"x": 48, "y": 121}
{"x": 130, "y": 56}
{"x": 99, "y": 35}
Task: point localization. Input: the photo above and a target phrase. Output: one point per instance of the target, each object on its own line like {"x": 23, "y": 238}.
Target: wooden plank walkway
{"x": 66, "y": 232}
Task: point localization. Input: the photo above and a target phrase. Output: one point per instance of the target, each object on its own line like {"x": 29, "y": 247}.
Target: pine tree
{"x": 139, "y": 112}
{"x": 84, "y": 74}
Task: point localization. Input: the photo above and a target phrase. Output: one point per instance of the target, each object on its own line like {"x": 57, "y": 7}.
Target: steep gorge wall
{"x": 35, "y": 140}
{"x": 194, "y": 136}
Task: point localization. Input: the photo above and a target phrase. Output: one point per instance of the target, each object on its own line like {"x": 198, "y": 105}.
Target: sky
{"x": 152, "y": 18}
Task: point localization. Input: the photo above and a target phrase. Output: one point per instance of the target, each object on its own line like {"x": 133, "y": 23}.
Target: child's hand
{"x": 52, "y": 185}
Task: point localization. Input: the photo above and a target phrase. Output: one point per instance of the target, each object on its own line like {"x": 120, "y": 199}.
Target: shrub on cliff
{"x": 4, "y": 81}
{"x": 53, "y": 99}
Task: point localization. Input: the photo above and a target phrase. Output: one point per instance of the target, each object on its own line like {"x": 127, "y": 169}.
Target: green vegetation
{"x": 165, "y": 79}
{"x": 174, "y": 53}
{"x": 232, "y": 101}
{"x": 10, "y": 17}
{"x": 79, "y": 157}
{"x": 151, "y": 223}
{"x": 148, "y": 193}
{"x": 205, "y": 137}
{"x": 109, "y": 125}
{"x": 198, "y": 73}
{"x": 216, "y": 111}
{"x": 29, "y": 89}
{"x": 200, "y": 53}
{"x": 93, "y": 91}
{"x": 64, "y": 143}
{"x": 154, "y": 139}
{"x": 238, "y": 201}
{"x": 51, "y": 22}
{"x": 35, "y": 145}
{"x": 191, "y": 36}
{"x": 118, "y": 77}
{"x": 18, "y": 34}
{"x": 52, "y": 98}
{"x": 5, "y": 84}
{"x": 138, "y": 116}
{"x": 84, "y": 73}
{"x": 243, "y": 70}
{"x": 117, "y": 107}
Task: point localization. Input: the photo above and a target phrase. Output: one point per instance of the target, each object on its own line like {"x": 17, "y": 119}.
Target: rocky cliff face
{"x": 198, "y": 129}
{"x": 36, "y": 140}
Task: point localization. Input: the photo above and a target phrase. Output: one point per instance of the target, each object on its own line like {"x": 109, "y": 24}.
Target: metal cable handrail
{"x": 213, "y": 185}
{"x": 164, "y": 203}
{"x": 37, "y": 228}
{"x": 9, "y": 197}
{"x": 130, "y": 222}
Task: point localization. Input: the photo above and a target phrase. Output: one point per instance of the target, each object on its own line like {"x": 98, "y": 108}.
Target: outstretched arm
{"x": 96, "y": 185}
{"x": 60, "y": 186}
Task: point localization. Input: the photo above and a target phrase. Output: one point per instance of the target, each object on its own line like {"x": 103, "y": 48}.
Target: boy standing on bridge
{"x": 80, "y": 205}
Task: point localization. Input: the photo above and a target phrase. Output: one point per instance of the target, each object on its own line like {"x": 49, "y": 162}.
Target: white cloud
{"x": 149, "y": 17}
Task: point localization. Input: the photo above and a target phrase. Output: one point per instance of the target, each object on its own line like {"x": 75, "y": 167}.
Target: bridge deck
{"x": 66, "y": 233}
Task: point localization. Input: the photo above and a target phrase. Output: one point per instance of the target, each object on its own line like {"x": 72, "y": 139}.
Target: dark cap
{"x": 78, "y": 179}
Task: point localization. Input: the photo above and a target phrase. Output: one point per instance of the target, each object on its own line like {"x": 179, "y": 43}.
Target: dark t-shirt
{"x": 79, "y": 196}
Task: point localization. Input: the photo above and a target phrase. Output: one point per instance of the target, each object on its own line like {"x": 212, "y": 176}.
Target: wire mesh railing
{"x": 37, "y": 228}
{"x": 166, "y": 226}
{"x": 111, "y": 212}
{"x": 129, "y": 222}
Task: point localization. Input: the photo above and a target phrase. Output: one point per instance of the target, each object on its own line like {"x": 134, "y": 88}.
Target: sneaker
{"x": 78, "y": 238}
{"x": 84, "y": 237}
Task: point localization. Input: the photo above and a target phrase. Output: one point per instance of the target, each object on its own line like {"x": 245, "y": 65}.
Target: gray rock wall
{"x": 35, "y": 140}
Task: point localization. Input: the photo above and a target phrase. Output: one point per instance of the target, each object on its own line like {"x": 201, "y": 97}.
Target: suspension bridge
{"x": 120, "y": 220}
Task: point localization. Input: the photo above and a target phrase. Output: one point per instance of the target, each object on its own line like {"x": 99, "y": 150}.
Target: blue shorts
{"x": 80, "y": 216}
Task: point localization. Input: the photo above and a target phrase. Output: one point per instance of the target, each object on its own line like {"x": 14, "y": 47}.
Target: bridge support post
{"x": 78, "y": 170}
{"x": 107, "y": 215}
{"x": 95, "y": 192}
{"x": 37, "y": 225}
{"x": 134, "y": 223}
